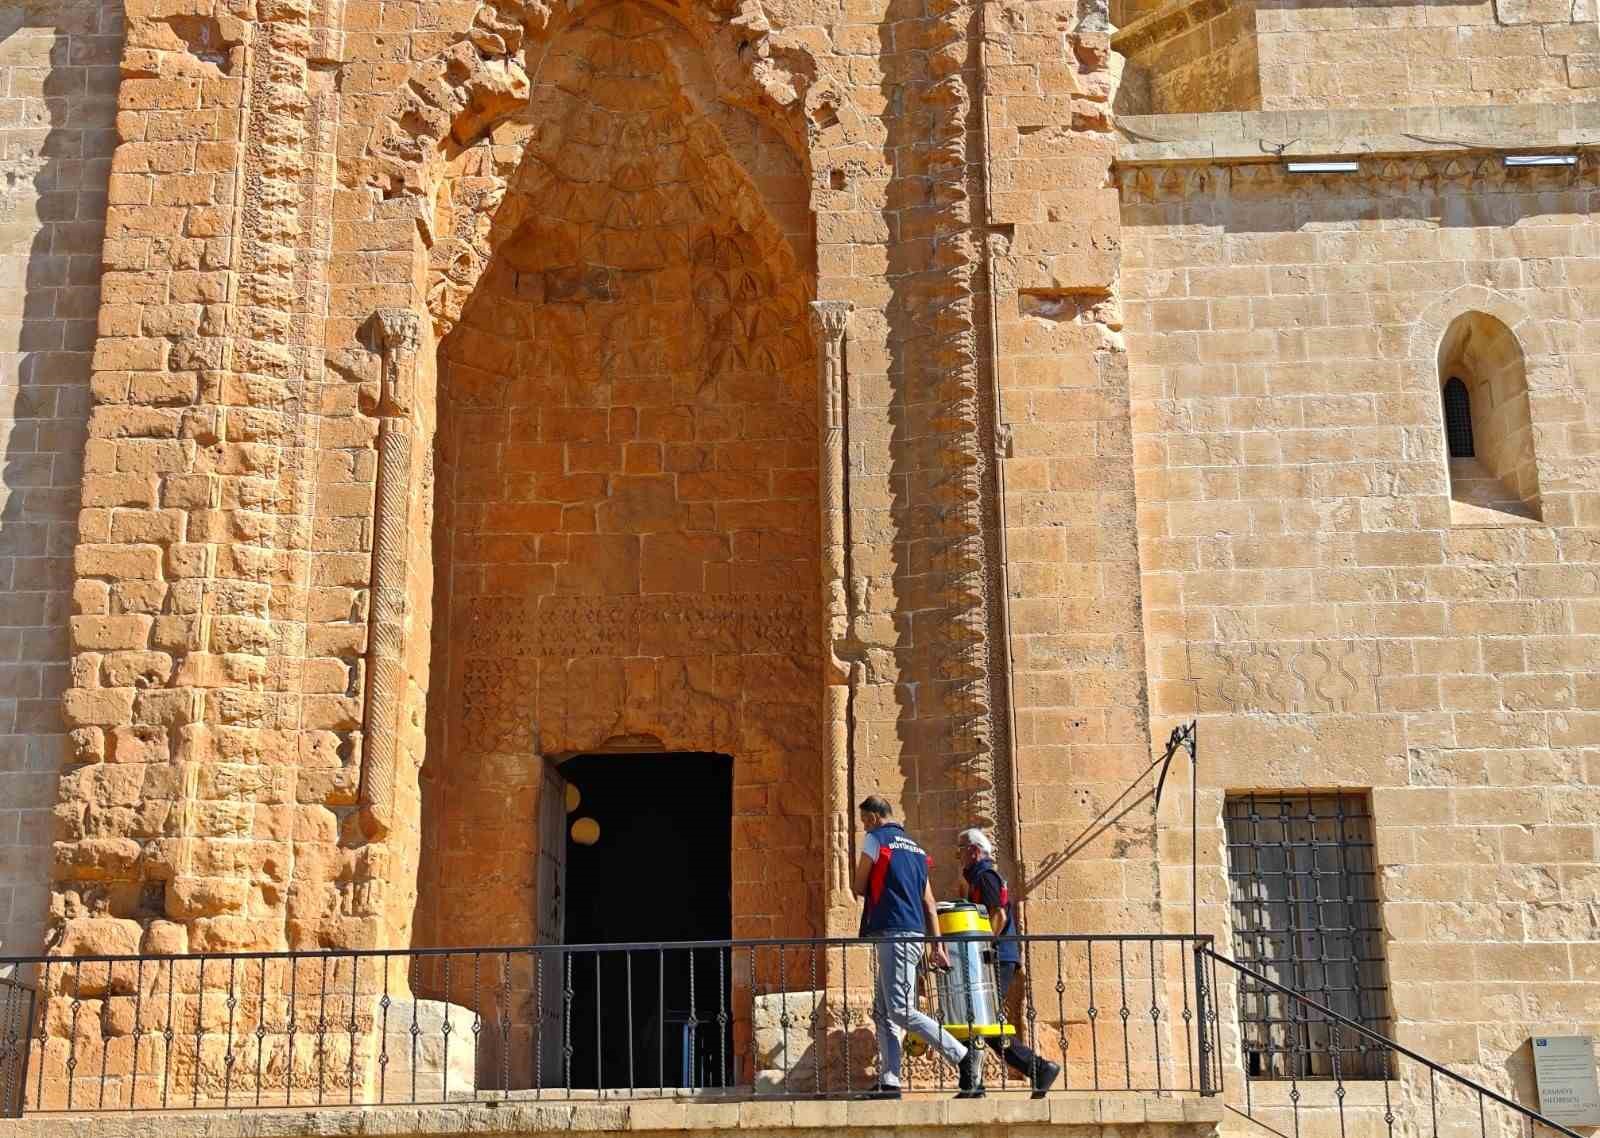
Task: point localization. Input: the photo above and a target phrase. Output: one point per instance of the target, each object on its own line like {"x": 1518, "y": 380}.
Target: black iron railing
{"x": 1362, "y": 1083}
{"x": 748, "y": 1018}
{"x": 16, "y": 1019}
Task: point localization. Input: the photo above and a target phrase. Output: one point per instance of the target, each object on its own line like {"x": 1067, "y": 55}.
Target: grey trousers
{"x": 894, "y": 1007}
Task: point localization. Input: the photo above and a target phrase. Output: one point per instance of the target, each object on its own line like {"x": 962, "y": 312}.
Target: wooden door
{"x": 550, "y": 926}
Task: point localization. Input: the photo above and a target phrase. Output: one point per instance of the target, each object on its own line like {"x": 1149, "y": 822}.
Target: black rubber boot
{"x": 1045, "y": 1074}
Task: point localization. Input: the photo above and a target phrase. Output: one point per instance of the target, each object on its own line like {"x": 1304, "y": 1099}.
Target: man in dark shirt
{"x": 987, "y": 889}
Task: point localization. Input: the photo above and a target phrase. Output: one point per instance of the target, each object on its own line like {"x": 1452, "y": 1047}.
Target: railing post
{"x": 1202, "y": 1007}
{"x": 16, "y": 1024}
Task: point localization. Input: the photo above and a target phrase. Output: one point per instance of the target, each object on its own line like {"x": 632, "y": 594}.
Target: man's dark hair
{"x": 877, "y": 804}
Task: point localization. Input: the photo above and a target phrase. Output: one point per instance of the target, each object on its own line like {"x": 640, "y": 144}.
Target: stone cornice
{"x": 1235, "y": 137}
{"x": 521, "y": 1114}
{"x": 1381, "y": 176}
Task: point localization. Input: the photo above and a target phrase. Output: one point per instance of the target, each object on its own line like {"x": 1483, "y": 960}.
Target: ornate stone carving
{"x": 1285, "y": 677}
{"x": 1389, "y": 177}
{"x": 937, "y": 367}
{"x": 498, "y": 701}
{"x": 478, "y": 81}
{"x": 831, "y": 318}
{"x": 681, "y": 625}
{"x": 630, "y": 304}
{"x": 398, "y": 335}
{"x": 398, "y": 332}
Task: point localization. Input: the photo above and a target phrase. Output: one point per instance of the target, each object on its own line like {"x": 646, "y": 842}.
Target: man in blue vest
{"x": 899, "y": 915}
{"x": 986, "y": 888}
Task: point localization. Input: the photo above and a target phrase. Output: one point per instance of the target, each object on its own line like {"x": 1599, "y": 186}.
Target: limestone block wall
{"x": 1070, "y": 574}
{"x": 1198, "y": 56}
{"x": 1307, "y": 594}
{"x": 628, "y": 452}
{"x": 1239, "y": 55}
{"x": 198, "y": 796}
{"x": 900, "y": 240}
{"x": 1502, "y": 52}
{"x": 58, "y": 85}
{"x": 303, "y": 205}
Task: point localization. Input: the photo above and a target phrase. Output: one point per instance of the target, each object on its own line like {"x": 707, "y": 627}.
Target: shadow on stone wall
{"x": 947, "y": 730}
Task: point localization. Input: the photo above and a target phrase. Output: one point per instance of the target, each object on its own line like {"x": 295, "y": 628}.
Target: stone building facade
{"x": 938, "y": 400}
{"x": 511, "y": 383}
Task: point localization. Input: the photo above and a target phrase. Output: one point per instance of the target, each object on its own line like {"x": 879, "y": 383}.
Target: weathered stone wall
{"x": 903, "y": 243}
{"x": 58, "y": 85}
{"x": 1198, "y": 56}
{"x": 1307, "y": 594}
{"x": 426, "y": 442}
{"x": 1070, "y": 575}
{"x": 1504, "y": 52}
{"x": 306, "y": 204}
{"x": 1240, "y": 55}
{"x": 628, "y": 430}
{"x": 185, "y": 817}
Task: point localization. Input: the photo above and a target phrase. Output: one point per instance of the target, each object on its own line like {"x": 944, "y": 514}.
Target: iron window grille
{"x": 1458, "y": 419}
{"x": 1303, "y": 884}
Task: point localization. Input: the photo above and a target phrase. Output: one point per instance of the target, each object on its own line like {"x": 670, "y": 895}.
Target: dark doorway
{"x": 659, "y": 870}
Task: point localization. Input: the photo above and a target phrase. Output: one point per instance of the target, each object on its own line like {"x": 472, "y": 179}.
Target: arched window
{"x": 1488, "y": 428}
{"x": 1458, "y": 418}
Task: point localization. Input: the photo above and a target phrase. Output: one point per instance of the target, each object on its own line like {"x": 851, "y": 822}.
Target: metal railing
{"x": 737, "y": 1018}
{"x": 1361, "y": 1085}
{"x": 16, "y": 1018}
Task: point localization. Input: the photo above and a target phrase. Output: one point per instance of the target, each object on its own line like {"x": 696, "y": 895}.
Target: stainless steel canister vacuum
{"x": 969, "y": 1003}
{"x": 970, "y": 1007}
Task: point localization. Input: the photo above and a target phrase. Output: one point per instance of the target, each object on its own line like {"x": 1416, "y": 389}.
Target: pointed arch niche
{"x": 625, "y": 538}
{"x": 1489, "y": 438}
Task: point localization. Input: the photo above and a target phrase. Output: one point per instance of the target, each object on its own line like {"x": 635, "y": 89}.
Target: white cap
{"x": 976, "y": 837}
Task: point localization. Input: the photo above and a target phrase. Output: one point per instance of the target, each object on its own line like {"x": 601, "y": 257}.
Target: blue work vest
{"x": 1007, "y": 950}
{"x": 896, "y": 885}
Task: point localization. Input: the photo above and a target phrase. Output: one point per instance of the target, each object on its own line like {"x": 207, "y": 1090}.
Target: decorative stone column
{"x": 398, "y": 333}
{"x": 831, "y": 318}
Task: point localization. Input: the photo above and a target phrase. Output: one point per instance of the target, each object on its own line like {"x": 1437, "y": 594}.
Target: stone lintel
{"x": 917, "y": 1116}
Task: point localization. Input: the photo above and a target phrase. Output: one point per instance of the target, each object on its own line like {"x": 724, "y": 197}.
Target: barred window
{"x": 1303, "y": 884}
{"x": 1458, "y": 419}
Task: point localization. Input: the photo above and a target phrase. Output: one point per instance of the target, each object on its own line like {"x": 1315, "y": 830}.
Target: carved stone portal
{"x": 629, "y": 442}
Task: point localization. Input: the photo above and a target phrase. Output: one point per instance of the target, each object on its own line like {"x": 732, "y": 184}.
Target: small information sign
{"x": 1569, "y": 1092}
